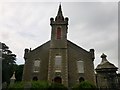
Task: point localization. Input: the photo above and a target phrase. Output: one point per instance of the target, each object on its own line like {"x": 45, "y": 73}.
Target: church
{"x": 59, "y": 60}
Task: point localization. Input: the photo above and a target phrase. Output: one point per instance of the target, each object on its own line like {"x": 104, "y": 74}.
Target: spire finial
{"x": 60, "y": 3}
{"x": 59, "y": 16}
{"x": 60, "y": 10}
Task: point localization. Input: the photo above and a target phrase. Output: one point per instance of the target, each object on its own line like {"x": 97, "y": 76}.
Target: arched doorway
{"x": 35, "y": 78}
{"x": 58, "y": 80}
{"x": 81, "y": 79}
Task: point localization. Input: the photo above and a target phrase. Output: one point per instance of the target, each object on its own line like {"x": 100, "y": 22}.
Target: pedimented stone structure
{"x": 106, "y": 76}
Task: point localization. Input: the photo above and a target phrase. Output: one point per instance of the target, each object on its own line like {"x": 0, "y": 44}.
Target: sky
{"x": 91, "y": 25}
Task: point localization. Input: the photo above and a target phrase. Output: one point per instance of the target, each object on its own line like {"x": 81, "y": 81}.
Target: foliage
{"x": 42, "y": 85}
{"x": 84, "y": 84}
{"x": 16, "y": 86}
{"x": 34, "y": 85}
{"x": 57, "y": 86}
{"x": 19, "y": 72}
{"x": 39, "y": 84}
{"x": 8, "y": 63}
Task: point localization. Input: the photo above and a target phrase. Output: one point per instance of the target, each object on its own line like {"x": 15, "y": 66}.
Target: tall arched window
{"x": 58, "y": 62}
{"x": 80, "y": 66}
{"x": 58, "y": 33}
{"x": 36, "y": 66}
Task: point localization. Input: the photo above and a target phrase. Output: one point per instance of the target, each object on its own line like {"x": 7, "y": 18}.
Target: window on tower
{"x": 58, "y": 61}
{"x": 58, "y": 33}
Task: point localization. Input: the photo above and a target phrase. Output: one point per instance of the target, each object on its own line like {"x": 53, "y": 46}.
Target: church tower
{"x": 57, "y": 69}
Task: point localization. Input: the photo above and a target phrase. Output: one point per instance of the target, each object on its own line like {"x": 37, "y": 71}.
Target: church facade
{"x": 59, "y": 60}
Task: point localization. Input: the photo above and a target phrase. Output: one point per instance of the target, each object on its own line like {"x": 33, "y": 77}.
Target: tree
{"x": 19, "y": 72}
{"x": 8, "y": 63}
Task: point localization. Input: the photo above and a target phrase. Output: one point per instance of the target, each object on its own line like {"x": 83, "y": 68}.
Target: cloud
{"x": 95, "y": 26}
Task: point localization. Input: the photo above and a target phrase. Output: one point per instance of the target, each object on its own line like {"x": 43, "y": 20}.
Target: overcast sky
{"x": 91, "y": 25}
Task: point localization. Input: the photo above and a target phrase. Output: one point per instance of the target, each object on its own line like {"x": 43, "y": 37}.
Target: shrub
{"x": 39, "y": 84}
{"x": 57, "y": 86}
{"x": 16, "y": 86}
{"x": 84, "y": 85}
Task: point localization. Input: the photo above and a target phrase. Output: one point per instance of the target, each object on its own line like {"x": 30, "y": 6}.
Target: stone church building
{"x": 59, "y": 60}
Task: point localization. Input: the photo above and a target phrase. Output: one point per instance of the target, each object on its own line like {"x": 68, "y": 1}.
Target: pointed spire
{"x": 59, "y": 11}
{"x": 59, "y": 16}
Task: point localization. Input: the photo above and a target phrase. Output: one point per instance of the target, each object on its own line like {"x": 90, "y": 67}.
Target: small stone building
{"x": 59, "y": 60}
{"x": 106, "y": 76}
{"x": 118, "y": 75}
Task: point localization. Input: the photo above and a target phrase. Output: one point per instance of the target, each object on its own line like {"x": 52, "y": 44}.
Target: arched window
{"x": 36, "y": 66}
{"x": 58, "y": 62}
{"x": 58, "y": 33}
{"x": 80, "y": 66}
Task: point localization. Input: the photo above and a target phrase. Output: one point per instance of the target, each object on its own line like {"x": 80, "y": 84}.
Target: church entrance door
{"x": 35, "y": 78}
{"x": 58, "y": 80}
